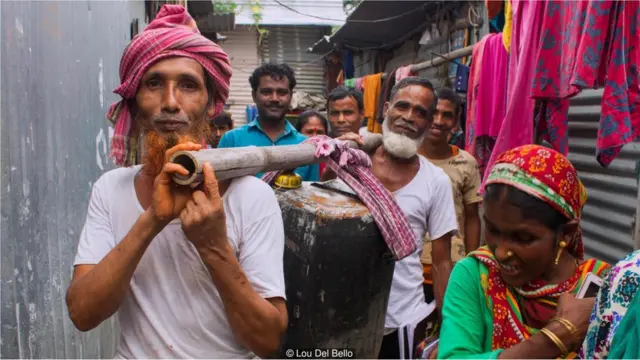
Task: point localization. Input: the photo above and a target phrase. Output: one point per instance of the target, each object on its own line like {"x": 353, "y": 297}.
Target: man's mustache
{"x": 406, "y": 124}
{"x": 169, "y": 117}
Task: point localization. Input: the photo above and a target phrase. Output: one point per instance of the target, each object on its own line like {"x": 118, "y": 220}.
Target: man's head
{"x": 271, "y": 87}
{"x": 345, "y": 109}
{"x": 446, "y": 116}
{"x": 408, "y": 113}
{"x": 172, "y": 105}
{"x": 219, "y": 126}
{"x": 172, "y": 80}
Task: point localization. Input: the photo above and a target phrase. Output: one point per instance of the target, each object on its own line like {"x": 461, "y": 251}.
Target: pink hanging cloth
{"x": 517, "y": 126}
{"x": 590, "y": 44}
{"x": 486, "y": 97}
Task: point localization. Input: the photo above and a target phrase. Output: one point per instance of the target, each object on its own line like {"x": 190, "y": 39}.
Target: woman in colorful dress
{"x": 515, "y": 297}
{"x": 614, "y": 331}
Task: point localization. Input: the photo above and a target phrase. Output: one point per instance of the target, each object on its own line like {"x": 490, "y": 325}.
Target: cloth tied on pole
{"x": 353, "y": 166}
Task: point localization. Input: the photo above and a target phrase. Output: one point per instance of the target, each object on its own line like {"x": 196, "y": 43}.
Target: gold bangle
{"x": 572, "y": 329}
{"x": 556, "y": 340}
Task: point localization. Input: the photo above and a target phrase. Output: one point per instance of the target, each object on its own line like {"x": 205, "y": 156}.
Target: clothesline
{"x": 456, "y": 54}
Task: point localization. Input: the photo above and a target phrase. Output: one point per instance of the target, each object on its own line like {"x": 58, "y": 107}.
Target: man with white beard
{"x": 423, "y": 192}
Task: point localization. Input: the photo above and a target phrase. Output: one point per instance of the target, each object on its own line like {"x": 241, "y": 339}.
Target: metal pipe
{"x": 230, "y": 163}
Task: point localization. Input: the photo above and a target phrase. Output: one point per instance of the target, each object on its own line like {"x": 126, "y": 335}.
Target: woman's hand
{"x": 578, "y": 312}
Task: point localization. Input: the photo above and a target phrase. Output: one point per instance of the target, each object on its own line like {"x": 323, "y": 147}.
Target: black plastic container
{"x": 338, "y": 271}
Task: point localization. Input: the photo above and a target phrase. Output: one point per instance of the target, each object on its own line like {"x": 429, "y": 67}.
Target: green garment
{"x": 467, "y": 324}
{"x": 350, "y": 83}
{"x": 626, "y": 341}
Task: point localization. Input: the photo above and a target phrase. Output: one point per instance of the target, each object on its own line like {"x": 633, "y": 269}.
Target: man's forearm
{"x": 95, "y": 295}
{"x": 471, "y": 233}
{"x": 256, "y": 323}
{"x": 441, "y": 271}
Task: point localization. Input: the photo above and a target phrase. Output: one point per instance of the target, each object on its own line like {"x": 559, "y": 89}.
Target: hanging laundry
{"x": 495, "y": 14}
{"x": 493, "y": 8}
{"x": 340, "y": 78}
{"x": 358, "y": 85}
{"x": 350, "y": 83}
{"x": 492, "y": 95}
{"x": 387, "y": 85}
{"x": 462, "y": 78}
{"x": 404, "y": 72}
{"x": 486, "y": 97}
{"x": 372, "y": 84}
{"x": 517, "y": 125}
{"x": 508, "y": 24}
{"x": 599, "y": 46}
{"x": 347, "y": 61}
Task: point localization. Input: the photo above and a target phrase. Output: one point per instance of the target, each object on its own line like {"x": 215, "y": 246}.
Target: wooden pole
{"x": 230, "y": 163}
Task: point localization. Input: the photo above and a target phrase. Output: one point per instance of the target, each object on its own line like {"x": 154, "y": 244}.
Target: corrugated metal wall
{"x": 289, "y": 44}
{"x": 242, "y": 47}
{"x": 59, "y": 63}
{"x": 612, "y": 191}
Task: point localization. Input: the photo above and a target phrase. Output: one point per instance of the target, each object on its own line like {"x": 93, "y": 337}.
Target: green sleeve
{"x": 464, "y": 334}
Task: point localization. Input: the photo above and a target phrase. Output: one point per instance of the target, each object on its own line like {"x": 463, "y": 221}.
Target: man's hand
{"x": 169, "y": 198}
{"x": 203, "y": 218}
{"x": 353, "y": 137}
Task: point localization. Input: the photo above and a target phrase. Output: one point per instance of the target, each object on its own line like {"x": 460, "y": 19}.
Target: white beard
{"x": 399, "y": 145}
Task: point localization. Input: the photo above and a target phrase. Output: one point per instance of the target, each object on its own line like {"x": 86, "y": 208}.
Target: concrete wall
{"x": 59, "y": 64}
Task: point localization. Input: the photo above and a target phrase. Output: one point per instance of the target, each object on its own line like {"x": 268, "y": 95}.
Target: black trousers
{"x": 390, "y": 348}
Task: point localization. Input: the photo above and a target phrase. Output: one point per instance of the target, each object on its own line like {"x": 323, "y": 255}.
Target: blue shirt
{"x": 252, "y": 134}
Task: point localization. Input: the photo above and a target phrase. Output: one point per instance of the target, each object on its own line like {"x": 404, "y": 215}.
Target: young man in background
{"x": 271, "y": 88}
{"x": 462, "y": 169}
{"x": 345, "y": 110}
{"x": 219, "y": 126}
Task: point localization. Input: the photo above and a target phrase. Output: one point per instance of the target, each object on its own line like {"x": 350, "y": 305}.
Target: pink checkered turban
{"x": 172, "y": 33}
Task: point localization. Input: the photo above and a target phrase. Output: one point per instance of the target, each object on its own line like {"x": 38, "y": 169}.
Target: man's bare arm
{"x": 96, "y": 291}
{"x": 471, "y": 227}
{"x": 257, "y": 323}
{"x": 441, "y": 259}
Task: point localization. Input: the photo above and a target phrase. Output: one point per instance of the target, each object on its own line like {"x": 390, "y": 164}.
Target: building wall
{"x": 611, "y": 192}
{"x": 289, "y": 44}
{"x": 59, "y": 63}
{"x": 242, "y": 48}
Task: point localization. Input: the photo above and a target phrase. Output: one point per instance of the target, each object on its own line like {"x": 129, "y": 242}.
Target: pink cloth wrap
{"x": 354, "y": 168}
{"x": 172, "y": 33}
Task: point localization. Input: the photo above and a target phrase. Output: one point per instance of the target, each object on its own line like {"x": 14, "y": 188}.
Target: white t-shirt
{"x": 427, "y": 201}
{"x": 173, "y": 309}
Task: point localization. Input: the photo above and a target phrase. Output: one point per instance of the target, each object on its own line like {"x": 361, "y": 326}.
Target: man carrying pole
{"x": 191, "y": 273}
{"x": 423, "y": 192}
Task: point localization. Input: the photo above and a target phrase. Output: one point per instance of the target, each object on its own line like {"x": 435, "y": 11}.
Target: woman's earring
{"x": 561, "y": 247}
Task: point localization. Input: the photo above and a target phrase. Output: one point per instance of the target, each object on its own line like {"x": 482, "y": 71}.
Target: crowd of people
{"x": 198, "y": 273}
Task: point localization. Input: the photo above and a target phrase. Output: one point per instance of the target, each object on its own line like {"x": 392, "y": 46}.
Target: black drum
{"x": 338, "y": 271}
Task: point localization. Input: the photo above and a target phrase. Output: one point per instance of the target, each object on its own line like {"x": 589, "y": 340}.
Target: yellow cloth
{"x": 372, "y": 85}
{"x": 508, "y": 25}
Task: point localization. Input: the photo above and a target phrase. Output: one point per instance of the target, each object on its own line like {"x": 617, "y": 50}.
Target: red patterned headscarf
{"x": 546, "y": 175}
{"x": 549, "y": 176}
{"x": 172, "y": 33}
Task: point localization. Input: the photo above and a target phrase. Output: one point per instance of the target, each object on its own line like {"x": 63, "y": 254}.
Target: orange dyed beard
{"x": 156, "y": 145}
